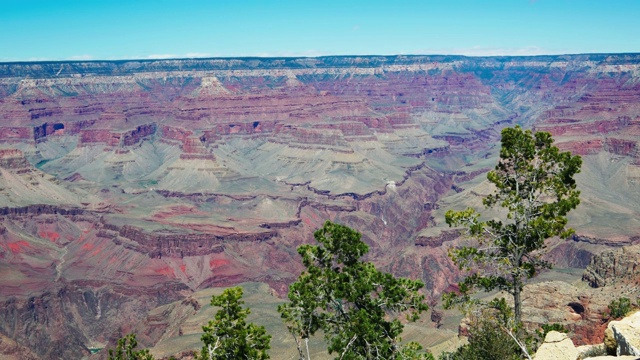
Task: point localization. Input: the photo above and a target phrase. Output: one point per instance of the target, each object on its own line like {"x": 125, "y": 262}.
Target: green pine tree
{"x": 229, "y": 336}
{"x": 535, "y": 189}
{"x": 125, "y": 350}
{"x": 350, "y": 301}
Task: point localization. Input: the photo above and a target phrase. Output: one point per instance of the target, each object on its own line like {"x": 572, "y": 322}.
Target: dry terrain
{"x": 128, "y": 187}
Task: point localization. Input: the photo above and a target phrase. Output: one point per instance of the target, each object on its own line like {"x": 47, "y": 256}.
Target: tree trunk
{"x": 517, "y": 303}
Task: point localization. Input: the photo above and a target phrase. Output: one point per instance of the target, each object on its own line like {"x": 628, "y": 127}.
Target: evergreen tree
{"x": 350, "y": 300}
{"x": 229, "y": 336}
{"x": 535, "y": 189}
{"x": 125, "y": 350}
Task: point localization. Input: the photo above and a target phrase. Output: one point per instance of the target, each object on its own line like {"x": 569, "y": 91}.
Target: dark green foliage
{"x": 350, "y": 300}
{"x": 229, "y": 336}
{"x": 493, "y": 334}
{"x": 596, "y": 350}
{"x": 487, "y": 341}
{"x": 535, "y": 190}
{"x": 546, "y": 328}
{"x": 125, "y": 350}
{"x": 619, "y": 308}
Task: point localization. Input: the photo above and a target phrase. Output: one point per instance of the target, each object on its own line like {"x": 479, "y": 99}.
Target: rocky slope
{"x": 621, "y": 266}
{"x": 136, "y": 183}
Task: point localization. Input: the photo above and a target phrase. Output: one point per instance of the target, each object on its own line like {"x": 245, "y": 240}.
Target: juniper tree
{"x": 350, "y": 301}
{"x": 125, "y": 350}
{"x": 534, "y": 190}
{"x": 229, "y": 336}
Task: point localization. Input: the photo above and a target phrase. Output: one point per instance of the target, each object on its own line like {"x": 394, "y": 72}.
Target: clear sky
{"x": 114, "y": 29}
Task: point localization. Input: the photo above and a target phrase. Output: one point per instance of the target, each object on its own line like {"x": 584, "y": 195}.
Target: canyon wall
{"x": 136, "y": 183}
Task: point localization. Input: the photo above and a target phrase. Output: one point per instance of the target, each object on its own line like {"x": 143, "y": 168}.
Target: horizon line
{"x": 266, "y": 57}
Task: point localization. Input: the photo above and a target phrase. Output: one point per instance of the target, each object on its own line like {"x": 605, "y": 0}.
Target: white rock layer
{"x": 627, "y": 335}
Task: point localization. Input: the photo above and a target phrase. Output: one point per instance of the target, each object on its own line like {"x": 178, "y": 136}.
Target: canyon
{"x": 130, "y": 187}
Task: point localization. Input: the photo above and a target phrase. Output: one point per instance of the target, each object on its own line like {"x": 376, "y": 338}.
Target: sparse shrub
{"x": 619, "y": 308}
{"x": 493, "y": 332}
{"x": 436, "y": 317}
{"x": 486, "y": 341}
{"x": 546, "y": 328}
{"x": 125, "y": 350}
{"x": 598, "y": 350}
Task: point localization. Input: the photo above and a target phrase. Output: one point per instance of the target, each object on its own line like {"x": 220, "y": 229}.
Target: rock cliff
{"x": 625, "y": 332}
{"x": 615, "y": 266}
{"x": 123, "y": 179}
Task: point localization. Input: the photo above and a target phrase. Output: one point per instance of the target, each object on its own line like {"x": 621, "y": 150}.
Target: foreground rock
{"x": 627, "y": 335}
{"x": 557, "y": 346}
{"x": 623, "y": 336}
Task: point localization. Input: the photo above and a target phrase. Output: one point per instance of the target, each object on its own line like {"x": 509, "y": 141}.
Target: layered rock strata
{"x": 185, "y": 174}
{"x": 616, "y": 266}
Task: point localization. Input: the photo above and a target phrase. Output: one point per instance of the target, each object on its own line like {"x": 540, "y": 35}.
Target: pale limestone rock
{"x": 611, "y": 357}
{"x": 557, "y": 346}
{"x": 627, "y": 335}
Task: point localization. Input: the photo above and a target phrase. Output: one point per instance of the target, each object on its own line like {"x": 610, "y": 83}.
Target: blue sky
{"x": 92, "y": 29}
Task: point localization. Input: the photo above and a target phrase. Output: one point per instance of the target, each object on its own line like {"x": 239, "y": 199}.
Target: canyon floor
{"x": 129, "y": 187}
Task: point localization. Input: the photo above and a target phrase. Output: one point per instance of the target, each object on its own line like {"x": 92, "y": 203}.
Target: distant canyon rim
{"x": 128, "y": 185}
